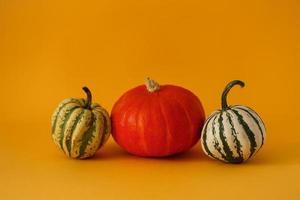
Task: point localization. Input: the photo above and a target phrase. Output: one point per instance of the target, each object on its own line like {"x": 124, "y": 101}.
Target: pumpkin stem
{"x": 227, "y": 89}
{"x": 88, "y": 100}
{"x": 151, "y": 85}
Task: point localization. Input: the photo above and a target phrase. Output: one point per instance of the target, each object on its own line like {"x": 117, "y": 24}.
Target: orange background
{"x": 49, "y": 50}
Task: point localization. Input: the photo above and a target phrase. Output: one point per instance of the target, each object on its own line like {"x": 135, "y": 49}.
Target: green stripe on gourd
{"x": 256, "y": 121}
{"x": 69, "y": 123}
{"x": 232, "y": 134}
{"x": 107, "y": 126}
{"x": 107, "y": 123}
{"x": 87, "y": 136}
{"x": 255, "y": 113}
{"x": 65, "y": 119}
{"x": 59, "y": 109}
{"x": 101, "y": 128}
{"x": 236, "y": 141}
{"x": 78, "y": 133}
{"x": 61, "y": 117}
{"x": 204, "y": 137}
{"x": 227, "y": 150}
{"x": 248, "y": 131}
{"x": 68, "y": 141}
{"x": 216, "y": 142}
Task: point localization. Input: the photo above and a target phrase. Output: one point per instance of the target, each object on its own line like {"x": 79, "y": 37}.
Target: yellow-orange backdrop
{"x": 50, "y": 49}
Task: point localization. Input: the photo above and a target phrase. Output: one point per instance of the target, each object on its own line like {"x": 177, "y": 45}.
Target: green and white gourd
{"x": 80, "y": 127}
{"x": 233, "y": 134}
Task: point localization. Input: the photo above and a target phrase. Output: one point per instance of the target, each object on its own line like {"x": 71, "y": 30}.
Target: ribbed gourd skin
{"x": 79, "y": 132}
{"x": 233, "y": 135}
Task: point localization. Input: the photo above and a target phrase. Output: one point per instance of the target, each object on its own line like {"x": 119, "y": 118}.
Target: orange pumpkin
{"x": 155, "y": 121}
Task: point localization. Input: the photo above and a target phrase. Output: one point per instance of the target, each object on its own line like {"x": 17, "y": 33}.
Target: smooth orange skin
{"x": 157, "y": 124}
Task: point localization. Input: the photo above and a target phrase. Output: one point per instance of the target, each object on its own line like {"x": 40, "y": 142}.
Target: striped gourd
{"x": 234, "y": 133}
{"x": 80, "y": 128}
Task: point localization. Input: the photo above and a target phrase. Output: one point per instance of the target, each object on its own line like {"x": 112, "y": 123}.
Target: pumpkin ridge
{"x": 122, "y": 103}
{"x": 125, "y": 108}
{"x": 169, "y": 136}
{"x": 138, "y": 127}
{"x": 256, "y": 121}
{"x": 248, "y": 131}
{"x": 128, "y": 108}
{"x": 188, "y": 117}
